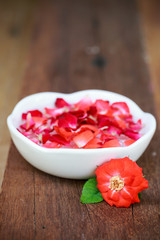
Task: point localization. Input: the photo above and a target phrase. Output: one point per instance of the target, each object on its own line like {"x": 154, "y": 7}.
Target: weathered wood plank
{"x": 150, "y": 23}
{"x": 15, "y": 28}
{"x": 62, "y": 58}
{"x": 17, "y": 199}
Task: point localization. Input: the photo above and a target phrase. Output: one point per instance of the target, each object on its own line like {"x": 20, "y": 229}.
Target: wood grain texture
{"x": 150, "y": 19}
{"x": 15, "y": 28}
{"x": 78, "y": 45}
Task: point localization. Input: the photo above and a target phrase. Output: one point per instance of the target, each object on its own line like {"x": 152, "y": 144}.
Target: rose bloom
{"x": 120, "y": 181}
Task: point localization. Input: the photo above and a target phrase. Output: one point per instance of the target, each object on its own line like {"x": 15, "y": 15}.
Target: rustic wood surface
{"x": 15, "y": 33}
{"x": 68, "y": 46}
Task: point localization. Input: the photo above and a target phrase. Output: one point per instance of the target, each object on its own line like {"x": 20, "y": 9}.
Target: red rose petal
{"x": 29, "y": 123}
{"x": 45, "y": 137}
{"x": 127, "y": 194}
{"x": 39, "y": 120}
{"x": 67, "y": 135}
{"x": 121, "y": 124}
{"x": 103, "y": 187}
{"x": 51, "y": 145}
{"x": 60, "y": 103}
{"x": 80, "y": 114}
{"x": 113, "y": 195}
{"x": 92, "y": 111}
{"x": 121, "y": 203}
{"x": 103, "y": 121}
{"x": 112, "y": 143}
{"x": 109, "y": 169}
{"x": 34, "y": 113}
{"x": 57, "y": 138}
{"x": 94, "y": 143}
{"x": 91, "y": 120}
{"x": 87, "y": 126}
{"x": 129, "y": 142}
{"x": 67, "y": 120}
{"x": 83, "y": 138}
{"x": 107, "y": 137}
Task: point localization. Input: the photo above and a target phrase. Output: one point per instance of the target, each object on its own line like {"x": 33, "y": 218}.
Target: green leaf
{"x": 139, "y": 195}
{"x": 90, "y": 192}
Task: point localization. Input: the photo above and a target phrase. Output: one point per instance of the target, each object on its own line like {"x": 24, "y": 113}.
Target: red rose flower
{"x": 120, "y": 181}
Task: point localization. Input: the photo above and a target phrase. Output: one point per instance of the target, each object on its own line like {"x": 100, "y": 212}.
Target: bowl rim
{"x": 13, "y": 129}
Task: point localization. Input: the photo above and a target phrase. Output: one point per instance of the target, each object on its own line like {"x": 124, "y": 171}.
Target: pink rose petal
{"x": 102, "y": 106}
{"x": 122, "y": 107}
{"x": 83, "y": 138}
{"x": 83, "y": 104}
{"x": 54, "y": 112}
{"x": 133, "y": 135}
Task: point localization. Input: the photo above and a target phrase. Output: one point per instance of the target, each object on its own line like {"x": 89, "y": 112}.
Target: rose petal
{"x": 29, "y": 123}
{"x": 92, "y": 111}
{"x": 83, "y": 104}
{"x": 102, "y": 106}
{"x": 133, "y": 135}
{"x": 34, "y": 113}
{"x": 39, "y": 121}
{"x": 94, "y": 143}
{"x": 60, "y": 103}
{"x": 112, "y": 194}
{"x": 122, "y": 107}
{"x": 112, "y": 143}
{"x": 83, "y": 138}
{"x": 103, "y": 121}
{"x": 57, "y": 138}
{"x": 80, "y": 114}
{"x": 45, "y": 137}
{"x": 67, "y": 135}
{"x": 67, "y": 120}
{"x": 86, "y": 127}
{"x": 107, "y": 137}
{"x": 51, "y": 145}
{"x": 136, "y": 126}
{"x": 129, "y": 142}
{"x": 114, "y": 130}
{"x": 54, "y": 112}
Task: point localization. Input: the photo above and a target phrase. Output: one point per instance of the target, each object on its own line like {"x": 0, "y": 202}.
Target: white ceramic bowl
{"x": 76, "y": 163}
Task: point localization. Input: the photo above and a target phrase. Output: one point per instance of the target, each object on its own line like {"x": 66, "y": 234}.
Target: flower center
{"x": 116, "y": 183}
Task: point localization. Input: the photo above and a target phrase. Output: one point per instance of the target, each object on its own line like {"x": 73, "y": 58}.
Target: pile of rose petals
{"x": 85, "y": 124}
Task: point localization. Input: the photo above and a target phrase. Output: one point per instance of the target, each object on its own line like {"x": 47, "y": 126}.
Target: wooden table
{"x": 75, "y": 45}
